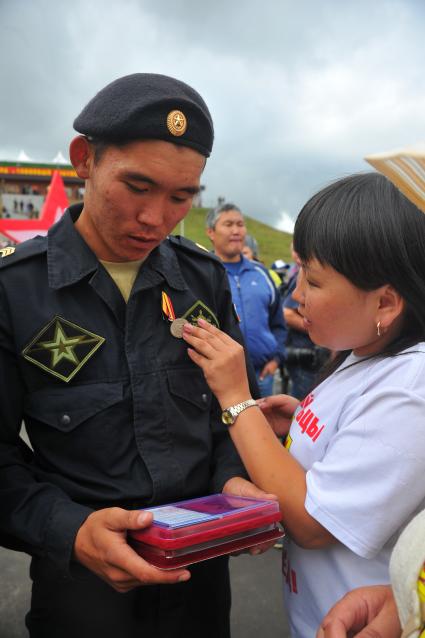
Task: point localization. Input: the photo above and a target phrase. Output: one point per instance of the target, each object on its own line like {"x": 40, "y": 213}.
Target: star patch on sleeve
{"x": 62, "y": 348}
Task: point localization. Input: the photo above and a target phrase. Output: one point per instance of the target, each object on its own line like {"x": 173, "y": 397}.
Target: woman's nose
{"x": 298, "y": 294}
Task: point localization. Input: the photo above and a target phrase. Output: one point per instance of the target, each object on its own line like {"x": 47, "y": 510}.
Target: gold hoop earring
{"x": 378, "y": 328}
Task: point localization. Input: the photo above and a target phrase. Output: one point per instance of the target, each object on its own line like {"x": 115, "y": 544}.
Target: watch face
{"x": 227, "y": 417}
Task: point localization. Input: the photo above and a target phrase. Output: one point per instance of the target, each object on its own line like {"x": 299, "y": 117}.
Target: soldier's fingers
{"x": 135, "y": 567}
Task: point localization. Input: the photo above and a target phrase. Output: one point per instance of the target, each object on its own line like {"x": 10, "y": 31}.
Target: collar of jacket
{"x": 69, "y": 258}
{"x": 245, "y": 265}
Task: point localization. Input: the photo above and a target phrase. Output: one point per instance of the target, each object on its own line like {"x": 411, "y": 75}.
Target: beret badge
{"x": 176, "y": 123}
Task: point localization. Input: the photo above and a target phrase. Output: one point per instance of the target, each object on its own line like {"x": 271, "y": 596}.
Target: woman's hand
{"x": 278, "y": 411}
{"x": 222, "y": 361}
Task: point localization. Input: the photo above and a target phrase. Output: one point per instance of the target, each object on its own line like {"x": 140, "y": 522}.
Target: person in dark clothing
{"x": 119, "y": 418}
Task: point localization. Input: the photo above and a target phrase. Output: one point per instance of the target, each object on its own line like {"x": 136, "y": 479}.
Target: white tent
{"x": 23, "y": 157}
{"x": 59, "y": 159}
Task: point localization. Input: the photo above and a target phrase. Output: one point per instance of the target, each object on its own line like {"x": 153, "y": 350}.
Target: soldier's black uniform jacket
{"x": 116, "y": 412}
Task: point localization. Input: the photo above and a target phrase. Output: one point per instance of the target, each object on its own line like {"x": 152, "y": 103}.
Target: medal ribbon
{"x": 167, "y": 307}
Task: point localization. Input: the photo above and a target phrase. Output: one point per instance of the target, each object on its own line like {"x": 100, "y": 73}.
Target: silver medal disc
{"x": 176, "y": 327}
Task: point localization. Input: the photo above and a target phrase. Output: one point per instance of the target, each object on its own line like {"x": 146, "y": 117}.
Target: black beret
{"x": 148, "y": 106}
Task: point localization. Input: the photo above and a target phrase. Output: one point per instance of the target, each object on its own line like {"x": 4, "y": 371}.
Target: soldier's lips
{"x": 143, "y": 241}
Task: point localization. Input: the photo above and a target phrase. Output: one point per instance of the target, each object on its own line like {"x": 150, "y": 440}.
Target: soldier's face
{"x": 136, "y": 195}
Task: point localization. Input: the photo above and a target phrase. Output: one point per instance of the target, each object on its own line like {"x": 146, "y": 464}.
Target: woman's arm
{"x": 268, "y": 463}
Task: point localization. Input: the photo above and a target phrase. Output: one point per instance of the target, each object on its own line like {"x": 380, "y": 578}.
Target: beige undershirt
{"x": 123, "y": 273}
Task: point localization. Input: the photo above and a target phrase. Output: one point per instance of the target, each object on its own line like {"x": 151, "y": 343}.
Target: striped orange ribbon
{"x": 167, "y": 307}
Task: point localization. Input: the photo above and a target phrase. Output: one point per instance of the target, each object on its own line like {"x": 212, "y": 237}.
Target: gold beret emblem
{"x": 176, "y": 123}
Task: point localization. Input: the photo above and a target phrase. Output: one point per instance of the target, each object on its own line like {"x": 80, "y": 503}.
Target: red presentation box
{"x": 190, "y": 531}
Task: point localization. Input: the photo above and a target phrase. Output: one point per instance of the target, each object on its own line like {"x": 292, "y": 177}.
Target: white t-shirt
{"x": 360, "y": 435}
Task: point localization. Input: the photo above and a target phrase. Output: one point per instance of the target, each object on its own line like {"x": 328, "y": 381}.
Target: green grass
{"x": 273, "y": 244}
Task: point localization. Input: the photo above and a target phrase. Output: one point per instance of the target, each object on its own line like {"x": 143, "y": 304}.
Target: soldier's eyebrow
{"x": 139, "y": 177}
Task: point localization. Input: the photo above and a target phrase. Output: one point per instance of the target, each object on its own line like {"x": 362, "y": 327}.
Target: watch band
{"x": 229, "y": 415}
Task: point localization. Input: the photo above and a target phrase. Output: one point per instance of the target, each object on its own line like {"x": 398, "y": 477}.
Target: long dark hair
{"x": 368, "y": 231}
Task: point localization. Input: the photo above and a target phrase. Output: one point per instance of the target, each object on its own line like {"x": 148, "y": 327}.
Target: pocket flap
{"x": 65, "y": 408}
{"x": 191, "y": 386}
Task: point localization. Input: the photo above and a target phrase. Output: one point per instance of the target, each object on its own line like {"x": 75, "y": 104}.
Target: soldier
{"x": 119, "y": 418}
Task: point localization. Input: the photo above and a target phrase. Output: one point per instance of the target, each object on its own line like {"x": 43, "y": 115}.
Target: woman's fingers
{"x": 206, "y": 331}
{"x": 207, "y": 339}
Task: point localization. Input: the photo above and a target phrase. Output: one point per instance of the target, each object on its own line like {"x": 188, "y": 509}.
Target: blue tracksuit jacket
{"x": 259, "y": 306}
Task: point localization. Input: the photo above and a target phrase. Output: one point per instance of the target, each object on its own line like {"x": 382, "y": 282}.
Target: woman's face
{"x": 337, "y": 315}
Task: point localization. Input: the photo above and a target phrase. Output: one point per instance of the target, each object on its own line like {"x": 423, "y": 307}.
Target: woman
{"x": 351, "y": 474}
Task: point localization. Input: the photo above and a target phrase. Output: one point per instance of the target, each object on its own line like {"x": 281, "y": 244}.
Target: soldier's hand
{"x": 101, "y": 546}
{"x": 366, "y": 612}
{"x": 241, "y": 487}
{"x": 278, "y": 410}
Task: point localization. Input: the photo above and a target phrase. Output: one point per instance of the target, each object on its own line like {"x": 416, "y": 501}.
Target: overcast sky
{"x": 299, "y": 91}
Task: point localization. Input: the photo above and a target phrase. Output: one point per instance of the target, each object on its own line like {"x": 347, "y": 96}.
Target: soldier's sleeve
{"x": 35, "y": 517}
{"x": 227, "y": 463}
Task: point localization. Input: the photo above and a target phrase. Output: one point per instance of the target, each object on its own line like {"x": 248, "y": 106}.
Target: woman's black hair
{"x": 368, "y": 231}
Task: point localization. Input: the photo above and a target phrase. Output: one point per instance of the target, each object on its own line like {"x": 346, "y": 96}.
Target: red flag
{"x": 53, "y": 208}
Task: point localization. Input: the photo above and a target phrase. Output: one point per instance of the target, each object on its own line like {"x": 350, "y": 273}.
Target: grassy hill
{"x": 273, "y": 244}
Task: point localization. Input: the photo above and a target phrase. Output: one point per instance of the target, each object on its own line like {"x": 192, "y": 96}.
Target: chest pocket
{"x": 190, "y": 385}
{"x": 66, "y": 408}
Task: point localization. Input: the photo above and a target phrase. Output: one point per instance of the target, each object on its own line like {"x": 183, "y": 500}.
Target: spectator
{"x": 254, "y": 294}
{"x": 250, "y": 251}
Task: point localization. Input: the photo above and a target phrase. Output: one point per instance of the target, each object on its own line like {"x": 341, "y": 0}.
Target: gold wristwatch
{"x": 229, "y": 415}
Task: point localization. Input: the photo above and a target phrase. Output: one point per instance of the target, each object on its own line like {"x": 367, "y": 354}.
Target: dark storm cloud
{"x": 299, "y": 93}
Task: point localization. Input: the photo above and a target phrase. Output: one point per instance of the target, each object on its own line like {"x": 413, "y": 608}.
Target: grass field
{"x": 273, "y": 244}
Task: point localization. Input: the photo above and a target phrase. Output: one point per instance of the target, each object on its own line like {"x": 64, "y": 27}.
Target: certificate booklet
{"x": 197, "y": 529}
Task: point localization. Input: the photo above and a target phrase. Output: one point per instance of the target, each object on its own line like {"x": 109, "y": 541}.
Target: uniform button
{"x": 204, "y": 398}
{"x": 65, "y": 419}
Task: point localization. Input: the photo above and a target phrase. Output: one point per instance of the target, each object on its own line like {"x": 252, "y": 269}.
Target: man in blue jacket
{"x": 254, "y": 294}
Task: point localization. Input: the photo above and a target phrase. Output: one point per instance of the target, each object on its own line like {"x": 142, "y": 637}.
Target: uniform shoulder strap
{"x": 15, "y": 254}
{"x": 188, "y": 246}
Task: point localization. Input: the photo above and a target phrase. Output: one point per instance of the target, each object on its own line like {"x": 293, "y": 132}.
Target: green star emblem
{"x": 61, "y": 348}
{"x": 200, "y": 311}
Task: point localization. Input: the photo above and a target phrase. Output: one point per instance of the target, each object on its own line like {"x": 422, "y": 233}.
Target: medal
{"x": 198, "y": 311}
{"x": 176, "y": 327}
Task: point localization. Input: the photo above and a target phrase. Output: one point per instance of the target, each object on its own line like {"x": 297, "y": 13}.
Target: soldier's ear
{"x": 81, "y": 155}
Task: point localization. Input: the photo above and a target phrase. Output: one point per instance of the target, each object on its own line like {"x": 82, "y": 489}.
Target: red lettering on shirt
{"x": 305, "y": 402}
{"x": 289, "y": 574}
{"x": 308, "y": 421}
